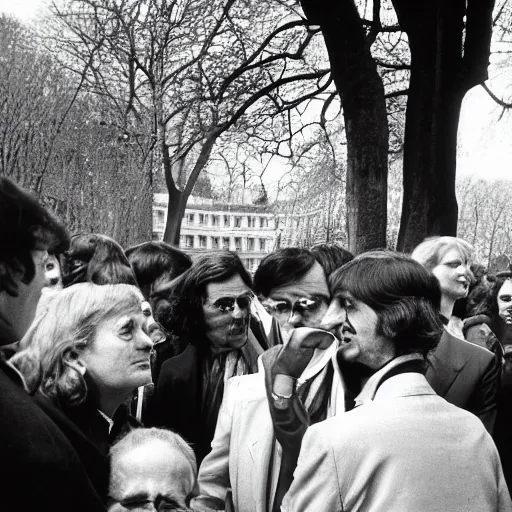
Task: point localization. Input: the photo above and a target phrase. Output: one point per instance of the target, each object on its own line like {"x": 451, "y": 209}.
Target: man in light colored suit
{"x": 245, "y": 456}
{"x": 401, "y": 447}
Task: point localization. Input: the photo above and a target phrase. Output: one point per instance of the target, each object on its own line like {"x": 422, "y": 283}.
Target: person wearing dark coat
{"x": 209, "y": 310}
{"x": 467, "y": 376}
{"x": 91, "y": 435}
{"x": 87, "y": 351}
{"x": 36, "y": 457}
{"x": 463, "y": 373}
{"x": 155, "y": 265}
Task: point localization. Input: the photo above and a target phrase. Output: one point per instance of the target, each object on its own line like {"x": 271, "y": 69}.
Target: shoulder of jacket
{"x": 247, "y": 387}
{"x": 469, "y": 349}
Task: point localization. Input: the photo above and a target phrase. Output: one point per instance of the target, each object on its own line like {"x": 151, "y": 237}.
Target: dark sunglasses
{"x": 227, "y": 304}
{"x": 303, "y": 306}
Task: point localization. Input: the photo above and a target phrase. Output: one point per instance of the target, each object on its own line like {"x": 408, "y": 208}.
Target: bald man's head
{"x": 151, "y": 466}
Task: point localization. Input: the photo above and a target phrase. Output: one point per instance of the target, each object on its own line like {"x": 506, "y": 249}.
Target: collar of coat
{"x": 410, "y": 363}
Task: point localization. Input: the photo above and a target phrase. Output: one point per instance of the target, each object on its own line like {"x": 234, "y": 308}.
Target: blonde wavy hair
{"x": 431, "y": 251}
{"x": 64, "y": 327}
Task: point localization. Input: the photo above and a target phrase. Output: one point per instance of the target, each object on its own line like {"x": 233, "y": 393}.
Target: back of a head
{"x": 97, "y": 259}
{"x": 430, "y": 252}
{"x": 282, "y": 267}
{"x": 155, "y": 263}
{"x": 331, "y": 256}
{"x": 401, "y": 291}
{"x": 25, "y": 226}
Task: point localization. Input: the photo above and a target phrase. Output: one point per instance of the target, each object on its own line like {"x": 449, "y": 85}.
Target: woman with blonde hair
{"x": 463, "y": 373}
{"x": 449, "y": 259}
{"x": 83, "y": 357}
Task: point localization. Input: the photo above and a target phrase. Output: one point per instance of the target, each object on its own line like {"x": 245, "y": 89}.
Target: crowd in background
{"x": 139, "y": 379}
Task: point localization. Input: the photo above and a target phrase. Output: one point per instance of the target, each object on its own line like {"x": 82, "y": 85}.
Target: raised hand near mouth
{"x": 297, "y": 353}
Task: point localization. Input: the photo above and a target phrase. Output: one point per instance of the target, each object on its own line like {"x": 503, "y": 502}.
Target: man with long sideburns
{"x": 399, "y": 446}
{"x": 209, "y": 309}
{"x": 39, "y": 469}
{"x": 292, "y": 286}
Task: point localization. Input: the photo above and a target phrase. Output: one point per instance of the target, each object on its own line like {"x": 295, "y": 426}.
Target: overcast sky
{"x": 24, "y": 9}
{"x": 485, "y": 141}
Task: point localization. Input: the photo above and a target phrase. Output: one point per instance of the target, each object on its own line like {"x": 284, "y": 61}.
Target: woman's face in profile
{"x": 118, "y": 360}
{"x": 452, "y": 272}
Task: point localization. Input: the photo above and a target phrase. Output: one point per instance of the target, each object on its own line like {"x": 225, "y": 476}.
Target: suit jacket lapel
{"x": 445, "y": 365}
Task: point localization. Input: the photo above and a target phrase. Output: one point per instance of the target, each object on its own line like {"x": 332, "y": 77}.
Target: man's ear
{"x": 72, "y": 358}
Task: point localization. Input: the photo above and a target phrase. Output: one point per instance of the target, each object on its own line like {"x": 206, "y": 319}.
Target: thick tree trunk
{"x": 364, "y": 109}
{"x": 440, "y": 77}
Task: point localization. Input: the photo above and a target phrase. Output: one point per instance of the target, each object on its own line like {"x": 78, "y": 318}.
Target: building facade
{"x": 208, "y": 225}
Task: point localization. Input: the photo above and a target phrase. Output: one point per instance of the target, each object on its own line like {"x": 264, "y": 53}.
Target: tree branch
{"x": 391, "y": 65}
{"x": 499, "y": 101}
{"x": 395, "y": 94}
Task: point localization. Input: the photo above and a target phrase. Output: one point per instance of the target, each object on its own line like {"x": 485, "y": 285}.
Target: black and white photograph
{"x": 256, "y": 255}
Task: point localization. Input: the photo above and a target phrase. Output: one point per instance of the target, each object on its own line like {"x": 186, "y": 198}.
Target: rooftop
{"x": 210, "y": 205}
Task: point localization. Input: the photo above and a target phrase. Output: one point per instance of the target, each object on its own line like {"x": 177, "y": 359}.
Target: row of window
{"x": 224, "y": 242}
{"x": 202, "y": 219}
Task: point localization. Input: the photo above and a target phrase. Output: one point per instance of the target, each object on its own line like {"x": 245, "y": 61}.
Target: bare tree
{"x": 35, "y": 97}
{"x": 177, "y": 75}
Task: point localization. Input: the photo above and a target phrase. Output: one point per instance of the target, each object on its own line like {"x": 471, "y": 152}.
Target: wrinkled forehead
{"x": 313, "y": 283}
{"x": 232, "y": 287}
{"x": 152, "y": 469}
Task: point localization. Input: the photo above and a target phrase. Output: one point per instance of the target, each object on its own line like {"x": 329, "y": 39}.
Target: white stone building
{"x": 209, "y": 225}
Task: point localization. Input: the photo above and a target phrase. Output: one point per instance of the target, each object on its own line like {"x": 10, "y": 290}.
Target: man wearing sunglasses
{"x": 245, "y": 456}
{"x": 210, "y": 312}
{"x": 292, "y": 286}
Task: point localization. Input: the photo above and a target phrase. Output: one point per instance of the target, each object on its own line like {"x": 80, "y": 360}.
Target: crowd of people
{"x": 139, "y": 379}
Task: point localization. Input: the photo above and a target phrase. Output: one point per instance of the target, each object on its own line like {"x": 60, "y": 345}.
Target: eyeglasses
{"x": 160, "y": 504}
{"x": 227, "y": 304}
{"x": 303, "y": 306}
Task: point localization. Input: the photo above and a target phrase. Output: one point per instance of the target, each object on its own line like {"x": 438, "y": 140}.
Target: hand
{"x": 297, "y": 353}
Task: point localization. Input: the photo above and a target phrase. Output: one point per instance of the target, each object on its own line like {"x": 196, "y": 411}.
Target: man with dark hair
{"x": 331, "y": 256}
{"x": 292, "y": 287}
{"x": 34, "y": 453}
{"x": 156, "y": 263}
{"x": 398, "y": 446}
{"x": 208, "y": 308}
